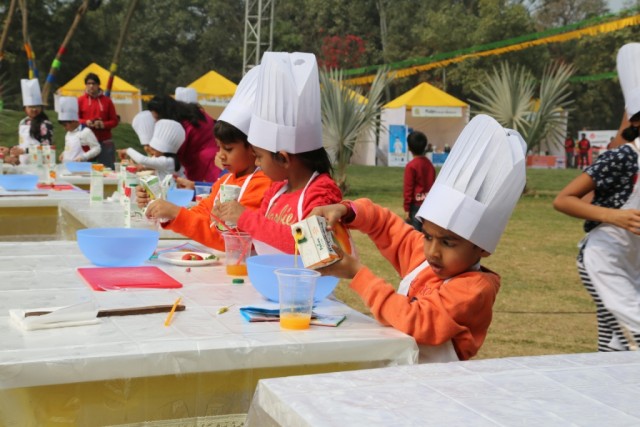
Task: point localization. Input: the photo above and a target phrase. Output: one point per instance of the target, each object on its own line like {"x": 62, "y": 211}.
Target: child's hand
{"x": 185, "y": 183}
{"x": 332, "y": 213}
{"x": 16, "y": 151}
{"x": 162, "y": 209}
{"x": 629, "y": 219}
{"x": 142, "y": 197}
{"x": 122, "y": 153}
{"x": 346, "y": 268}
{"x": 61, "y": 157}
{"x": 228, "y": 211}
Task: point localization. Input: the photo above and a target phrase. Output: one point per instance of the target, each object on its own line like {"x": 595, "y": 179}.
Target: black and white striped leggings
{"x": 608, "y": 325}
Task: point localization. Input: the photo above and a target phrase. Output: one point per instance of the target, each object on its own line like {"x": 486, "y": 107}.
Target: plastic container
{"x": 19, "y": 182}
{"x": 261, "y": 269}
{"x": 78, "y": 167}
{"x": 180, "y": 196}
{"x": 117, "y": 247}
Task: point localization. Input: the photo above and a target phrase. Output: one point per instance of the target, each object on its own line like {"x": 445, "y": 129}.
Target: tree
{"x": 508, "y": 96}
{"x": 346, "y": 115}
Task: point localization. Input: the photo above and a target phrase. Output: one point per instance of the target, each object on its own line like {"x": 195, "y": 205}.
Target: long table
{"x": 588, "y": 389}
{"x": 132, "y": 369}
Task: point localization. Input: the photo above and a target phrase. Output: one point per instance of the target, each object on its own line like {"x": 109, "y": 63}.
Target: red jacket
{"x": 584, "y": 145}
{"x": 98, "y": 107}
{"x": 419, "y": 176}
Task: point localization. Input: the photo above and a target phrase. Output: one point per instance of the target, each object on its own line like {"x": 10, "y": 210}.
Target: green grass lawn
{"x": 541, "y": 308}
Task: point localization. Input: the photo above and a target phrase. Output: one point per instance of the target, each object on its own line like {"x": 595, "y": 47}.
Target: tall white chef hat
{"x": 286, "y": 114}
{"x": 238, "y": 111}
{"x": 479, "y": 184}
{"x": 143, "y": 124}
{"x": 30, "y": 92}
{"x": 186, "y": 94}
{"x": 67, "y": 108}
{"x": 628, "y": 64}
{"x": 168, "y": 136}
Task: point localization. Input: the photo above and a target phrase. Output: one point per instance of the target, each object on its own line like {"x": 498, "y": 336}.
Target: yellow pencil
{"x": 167, "y": 322}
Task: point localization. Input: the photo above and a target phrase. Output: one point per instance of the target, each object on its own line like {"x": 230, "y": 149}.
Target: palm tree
{"x": 346, "y": 114}
{"x": 508, "y": 96}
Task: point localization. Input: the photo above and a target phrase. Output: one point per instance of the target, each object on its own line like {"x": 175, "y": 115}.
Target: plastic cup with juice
{"x": 296, "y": 290}
{"x": 237, "y": 248}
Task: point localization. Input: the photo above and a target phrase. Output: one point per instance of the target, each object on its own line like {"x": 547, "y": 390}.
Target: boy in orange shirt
{"x": 237, "y": 156}
{"x": 446, "y": 297}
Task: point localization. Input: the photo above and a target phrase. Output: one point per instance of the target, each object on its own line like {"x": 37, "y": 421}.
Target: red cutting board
{"x": 99, "y": 278}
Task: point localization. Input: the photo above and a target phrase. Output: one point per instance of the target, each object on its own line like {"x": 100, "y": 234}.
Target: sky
{"x": 616, "y": 5}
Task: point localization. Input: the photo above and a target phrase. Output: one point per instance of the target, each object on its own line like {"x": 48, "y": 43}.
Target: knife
{"x": 122, "y": 311}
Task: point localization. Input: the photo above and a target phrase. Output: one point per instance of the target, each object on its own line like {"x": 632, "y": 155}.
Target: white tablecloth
{"x": 593, "y": 389}
{"x": 35, "y": 365}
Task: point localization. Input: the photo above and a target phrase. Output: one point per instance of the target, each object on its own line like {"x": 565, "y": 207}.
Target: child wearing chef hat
{"x": 80, "y": 143}
{"x": 286, "y": 134}
{"x": 445, "y": 298}
{"x": 35, "y": 129}
{"x": 186, "y": 94}
{"x": 237, "y": 156}
{"x": 168, "y": 137}
{"x": 608, "y": 256}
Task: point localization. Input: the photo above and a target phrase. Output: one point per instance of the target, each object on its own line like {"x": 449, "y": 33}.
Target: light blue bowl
{"x": 180, "y": 196}
{"x": 19, "y": 182}
{"x": 117, "y": 247}
{"x": 261, "y": 273}
{"x": 78, "y": 167}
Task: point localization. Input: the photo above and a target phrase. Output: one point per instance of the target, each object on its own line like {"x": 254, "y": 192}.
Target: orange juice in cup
{"x": 237, "y": 248}
{"x": 296, "y": 290}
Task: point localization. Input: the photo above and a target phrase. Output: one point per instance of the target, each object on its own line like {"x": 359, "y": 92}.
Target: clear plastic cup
{"x": 237, "y": 248}
{"x": 296, "y": 290}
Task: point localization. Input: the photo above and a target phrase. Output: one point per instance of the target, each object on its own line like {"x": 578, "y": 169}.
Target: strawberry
{"x": 192, "y": 257}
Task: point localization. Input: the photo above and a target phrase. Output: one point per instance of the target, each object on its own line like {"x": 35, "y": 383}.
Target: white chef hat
{"x": 30, "y": 92}
{"x": 67, "y": 108}
{"x": 168, "y": 136}
{"x": 238, "y": 111}
{"x": 186, "y": 94}
{"x": 628, "y": 64}
{"x": 286, "y": 114}
{"x": 479, "y": 183}
{"x": 143, "y": 124}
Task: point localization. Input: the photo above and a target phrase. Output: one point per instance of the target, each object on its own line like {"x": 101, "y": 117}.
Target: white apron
{"x": 26, "y": 143}
{"x": 263, "y": 248}
{"x": 429, "y": 353}
{"x": 611, "y": 256}
{"x": 72, "y": 145}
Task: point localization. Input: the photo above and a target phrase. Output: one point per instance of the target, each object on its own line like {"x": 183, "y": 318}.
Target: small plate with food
{"x": 189, "y": 259}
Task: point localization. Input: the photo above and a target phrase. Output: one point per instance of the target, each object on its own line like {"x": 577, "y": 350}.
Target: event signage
{"x": 397, "y": 145}
{"x": 436, "y": 111}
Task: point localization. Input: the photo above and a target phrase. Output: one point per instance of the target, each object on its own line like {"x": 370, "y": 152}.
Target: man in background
{"x": 97, "y": 112}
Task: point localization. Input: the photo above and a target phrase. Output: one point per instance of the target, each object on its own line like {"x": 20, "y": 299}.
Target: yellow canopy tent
{"x": 214, "y": 92}
{"x": 126, "y": 97}
{"x": 428, "y": 109}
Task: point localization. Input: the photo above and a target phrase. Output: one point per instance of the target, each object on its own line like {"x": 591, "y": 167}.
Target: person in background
{"x": 35, "y": 129}
{"x": 569, "y": 151}
{"x": 445, "y": 299}
{"x": 286, "y": 134}
{"x": 97, "y": 112}
{"x": 168, "y": 137}
{"x": 419, "y": 176}
{"x": 583, "y": 151}
{"x": 608, "y": 261}
{"x": 80, "y": 143}
{"x": 186, "y": 94}
{"x": 198, "y": 153}
{"x": 237, "y": 155}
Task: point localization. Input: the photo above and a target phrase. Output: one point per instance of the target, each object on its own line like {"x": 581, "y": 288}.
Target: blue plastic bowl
{"x": 19, "y": 182}
{"x": 117, "y": 247}
{"x": 180, "y": 196}
{"x": 78, "y": 167}
{"x": 261, "y": 273}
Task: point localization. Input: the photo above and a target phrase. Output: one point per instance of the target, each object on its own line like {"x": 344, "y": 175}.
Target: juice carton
{"x": 315, "y": 243}
{"x": 151, "y": 185}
